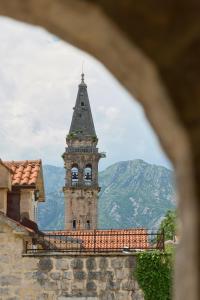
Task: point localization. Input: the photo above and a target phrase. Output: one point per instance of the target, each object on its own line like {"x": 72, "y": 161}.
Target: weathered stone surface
{"x": 9, "y": 280}
{"x": 41, "y": 277}
{"x": 62, "y": 264}
{"x": 55, "y": 275}
{"x": 103, "y": 263}
{"x": 130, "y": 262}
{"x": 95, "y": 275}
{"x": 91, "y": 286}
{"x": 128, "y": 285}
{"x": 113, "y": 285}
{"x": 91, "y": 263}
{"x": 50, "y": 285}
{"x": 106, "y": 295}
{"x": 68, "y": 275}
{"x": 79, "y": 275}
{"x": 45, "y": 264}
{"x": 77, "y": 263}
{"x": 117, "y": 263}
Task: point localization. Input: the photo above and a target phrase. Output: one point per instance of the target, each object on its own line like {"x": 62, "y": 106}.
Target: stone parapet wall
{"x": 58, "y": 276}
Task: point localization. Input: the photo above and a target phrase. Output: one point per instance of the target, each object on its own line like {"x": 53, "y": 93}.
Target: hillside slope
{"x": 133, "y": 194}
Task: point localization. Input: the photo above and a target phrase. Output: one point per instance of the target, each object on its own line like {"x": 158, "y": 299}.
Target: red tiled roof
{"x": 24, "y": 172}
{"x": 104, "y": 239}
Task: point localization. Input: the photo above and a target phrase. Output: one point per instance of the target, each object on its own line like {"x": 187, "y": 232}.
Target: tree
{"x": 168, "y": 224}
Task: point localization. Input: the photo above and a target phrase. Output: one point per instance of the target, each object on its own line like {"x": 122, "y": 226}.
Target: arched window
{"x": 74, "y": 174}
{"x": 88, "y": 174}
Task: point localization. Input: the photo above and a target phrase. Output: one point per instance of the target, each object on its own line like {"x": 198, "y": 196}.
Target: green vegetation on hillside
{"x": 133, "y": 194}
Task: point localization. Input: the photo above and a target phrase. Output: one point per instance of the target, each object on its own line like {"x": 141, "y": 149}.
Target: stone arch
{"x": 74, "y": 174}
{"x": 88, "y": 170}
{"x": 176, "y": 130}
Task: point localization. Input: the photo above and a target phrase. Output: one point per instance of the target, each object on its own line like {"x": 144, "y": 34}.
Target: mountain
{"x": 133, "y": 194}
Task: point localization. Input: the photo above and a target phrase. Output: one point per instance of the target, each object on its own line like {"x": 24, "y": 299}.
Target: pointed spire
{"x": 82, "y": 124}
{"x": 82, "y": 78}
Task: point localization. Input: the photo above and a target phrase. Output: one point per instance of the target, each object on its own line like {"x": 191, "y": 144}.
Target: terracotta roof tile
{"x": 105, "y": 239}
{"x": 24, "y": 172}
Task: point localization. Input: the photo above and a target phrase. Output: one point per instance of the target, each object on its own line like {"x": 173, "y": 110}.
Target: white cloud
{"x": 39, "y": 77}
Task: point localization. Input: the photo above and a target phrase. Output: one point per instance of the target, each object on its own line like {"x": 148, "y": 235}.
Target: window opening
{"x": 88, "y": 175}
{"x": 88, "y": 224}
{"x": 82, "y": 104}
{"x": 74, "y": 224}
{"x": 74, "y": 175}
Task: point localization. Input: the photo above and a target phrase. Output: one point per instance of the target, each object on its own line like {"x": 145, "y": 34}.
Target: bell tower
{"x": 81, "y": 158}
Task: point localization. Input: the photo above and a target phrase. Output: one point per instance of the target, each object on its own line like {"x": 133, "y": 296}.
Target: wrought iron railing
{"x": 97, "y": 241}
{"x": 81, "y": 150}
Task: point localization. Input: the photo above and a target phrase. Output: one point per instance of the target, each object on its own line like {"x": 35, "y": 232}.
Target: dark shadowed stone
{"x": 45, "y": 264}
{"x": 91, "y": 286}
{"x": 79, "y": 275}
{"x": 130, "y": 262}
{"x": 41, "y": 277}
{"x": 113, "y": 285}
{"x": 103, "y": 264}
{"x": 67, "y": 275}
{"x": 55, "y": 276}
{"x": 77, "y": 263}
{"x": 91, "y": 263}
{"x": 92, "y": 275}
{"x": 109, "y": 275}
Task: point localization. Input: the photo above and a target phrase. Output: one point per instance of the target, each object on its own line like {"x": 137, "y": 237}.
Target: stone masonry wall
{"x": 49, "y": 277}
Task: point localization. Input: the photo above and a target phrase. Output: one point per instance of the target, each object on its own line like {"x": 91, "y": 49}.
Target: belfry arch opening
{"x": 88, "y": 174}
{"x": 74, "y": 174}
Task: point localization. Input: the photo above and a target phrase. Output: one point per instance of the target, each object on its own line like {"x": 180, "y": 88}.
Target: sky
{"x": 39, "y": 77}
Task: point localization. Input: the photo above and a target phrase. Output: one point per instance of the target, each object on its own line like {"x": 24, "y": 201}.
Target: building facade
{"x": 21, "y": 189}
{"x": 81, "y": 159}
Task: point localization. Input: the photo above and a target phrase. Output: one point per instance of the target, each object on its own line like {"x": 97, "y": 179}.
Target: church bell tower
{"x": 81, "y": 158}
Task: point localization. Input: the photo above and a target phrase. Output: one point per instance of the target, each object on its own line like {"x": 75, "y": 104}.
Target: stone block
{"x": 62, "y": 264}
{"x": 50, "y": 285}
{"x": 79, "y": 275}
{"x": 77, "y": 263}
{"x": 107, "y": 295}
{"x": 45, "y": 264}
{"x": 68, "y": 275}
{"x": 117, "y": 263}
{"x": 55, "y": 275}
{"x": 91, "y": 286}
{"x": 40, "y": 277}
{"x": 9, "y": 280}
{"x": 96, "y": 275}
{"x": 4, "y": 291}
{"x": 128, "y": 285}
{"x": 113, "y": 285}
{"x": 130, "y": 262}
{"x": 65, "y": 284}
{"x": 91, "y": 263}
{"x": 103, "y": 263}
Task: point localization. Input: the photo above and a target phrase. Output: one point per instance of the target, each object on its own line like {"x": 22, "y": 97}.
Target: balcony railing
{"x": 81, "y": 150}
{"x": 97, "y": 241}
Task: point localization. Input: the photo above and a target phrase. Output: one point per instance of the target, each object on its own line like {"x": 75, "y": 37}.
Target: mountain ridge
{"x": 133, "y": 193}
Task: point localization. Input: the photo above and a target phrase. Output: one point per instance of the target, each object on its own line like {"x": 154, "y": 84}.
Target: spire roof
{"x": 82, "y": 122}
